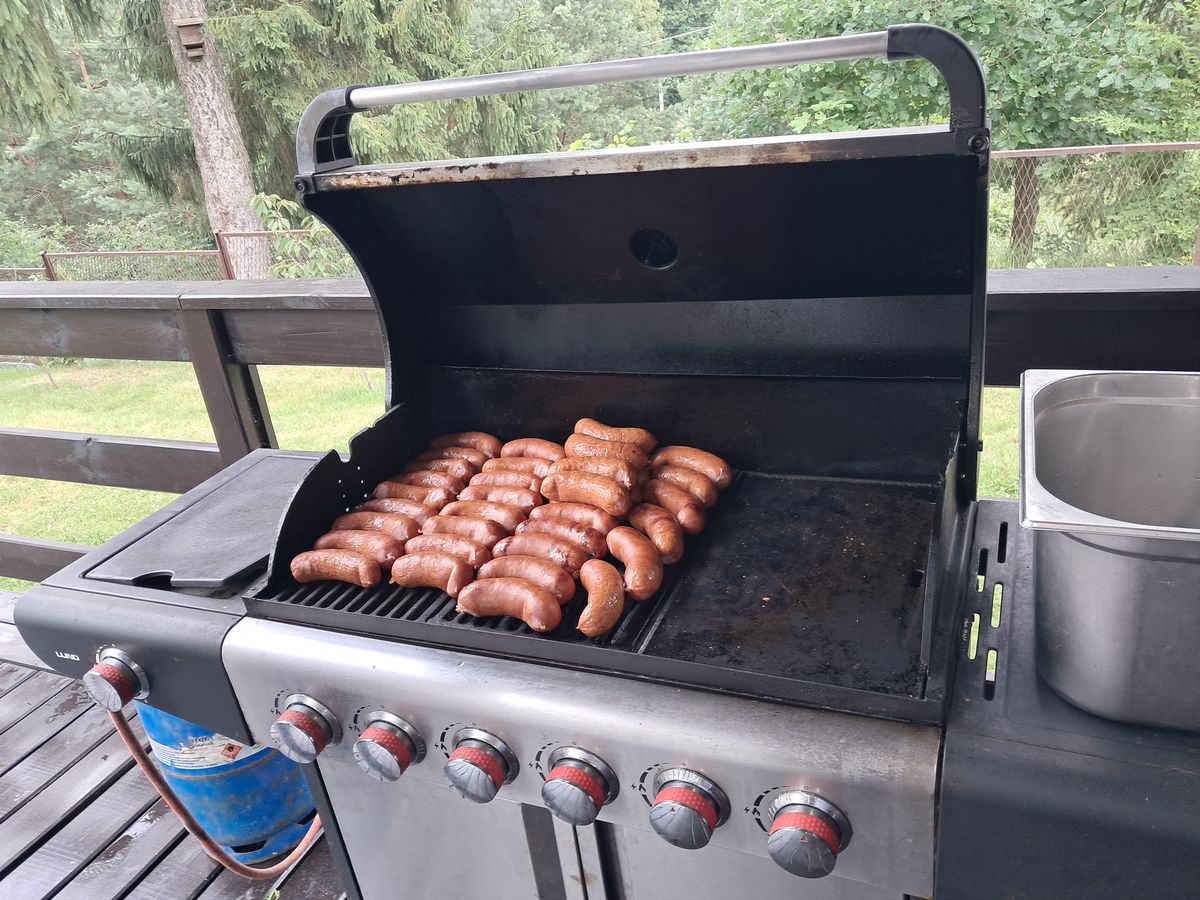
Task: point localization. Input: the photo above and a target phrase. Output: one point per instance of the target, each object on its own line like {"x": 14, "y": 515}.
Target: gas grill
{"x": 801, "y": 697}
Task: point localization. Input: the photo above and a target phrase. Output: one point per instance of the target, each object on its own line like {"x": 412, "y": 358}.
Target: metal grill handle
{"x": 323, "y": 138}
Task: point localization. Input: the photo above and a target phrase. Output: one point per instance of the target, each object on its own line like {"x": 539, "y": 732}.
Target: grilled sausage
{"x": 583, "y": 487}
{"x": 526, "y": 465}
{"x": 521, "y": 498}
{"x": 580, "y": 535}
{"x": 717, "y": 470}
{"x": 695, "y": 483}
{"x": 432, "y": 479}
{"x": 473, "y": 553}
{"x": 685, "y": 509}
{"x": 436, "y": 497}
{"x": 617, "y": 469}
{"x": 639, "y": 436}
{"x": 559, "y": 552}
{"x": 469, "y": 454}
{"x": 583, "y": 445}
{"x": 431, "y": 569}
{"x": 483, "y": 531}
{"x": 399, "y": 527}
{"x": 518, "y": 480}
{"x": 605, "y": 597}
{"x": 535, "y": 447}
{"x": 485, "y": 443}
{"x": 336, "y": 565}
{"x": 534, "y": 605}
{"x": 459, "y": 468}
{"x": 643, "y": 565}
{"x": 583, "y": 513}
{"x": 661, "y": 528}
{"x": 501, "y": 513}
{"x": 372, "y": 544}
{"x": 414, "y": 509}
{"x": 541, "y": 572}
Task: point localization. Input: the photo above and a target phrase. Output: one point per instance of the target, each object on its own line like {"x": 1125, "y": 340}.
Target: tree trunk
{"x": 1025, "y": 209}
{"x": 220, "y": 152}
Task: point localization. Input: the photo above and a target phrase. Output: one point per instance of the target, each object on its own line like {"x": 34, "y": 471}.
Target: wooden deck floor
{"x": 78, "y": 821}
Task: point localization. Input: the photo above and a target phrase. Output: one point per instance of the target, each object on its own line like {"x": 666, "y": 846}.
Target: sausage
{"x": 372, "y": 544}
{"x": 661, "y": 528}
{"x": 583, "y": 513}
{"x": 583, "y": 487}
{"x": 414, "y": 509}
{"x": 541, "y": 572}
{"x": 583, "y": 445}
{"x": 526, "y": 465}
{"x": 717, "y": 470}
{"x": 432, "y": 479}
{"x": 535, "y": 447}
{"x": 473, "y": 553}
{"x": 534, "y": 605}
{"x": 582, "y": 536}
{"x": 431, "y": 569}
{"x": 522, "y": 498}
{"x": 605, "y": 597}
{"x": 695, "y": 483}
{"x": 643, "y": 565}
{"x": 617, "y": 469}
{"x": 502, "y": 513}
{"x": 399, "y": 527}
{"x": 639, "y": 436}
{"x": 506, "y": 479}
{"x": 485, "y": 443}
{"x": 469, "y": 454}
{"x": 436, "y": 497}
{"x": 459, "y": 468}
{"x": 336, "y": 565}
{"x": 557, "y": 551}
{"x": 682, "y": 506}
{"x": 483, "y": 531}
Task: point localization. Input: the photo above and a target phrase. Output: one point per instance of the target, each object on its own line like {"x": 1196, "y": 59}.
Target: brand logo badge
{"x": 62, "y": 655}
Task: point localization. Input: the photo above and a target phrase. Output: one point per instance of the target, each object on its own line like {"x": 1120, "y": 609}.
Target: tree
{"x": 34, "y": 84}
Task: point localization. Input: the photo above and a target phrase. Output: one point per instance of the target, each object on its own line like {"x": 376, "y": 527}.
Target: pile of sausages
{"x": 467, "y": 516}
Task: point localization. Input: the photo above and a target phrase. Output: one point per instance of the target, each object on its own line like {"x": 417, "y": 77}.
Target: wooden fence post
{"x": 47, "y": 267}
{"x": 232, "y": 392}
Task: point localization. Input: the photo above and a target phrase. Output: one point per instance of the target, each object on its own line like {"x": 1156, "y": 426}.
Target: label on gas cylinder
{"x": 204, "y": 752}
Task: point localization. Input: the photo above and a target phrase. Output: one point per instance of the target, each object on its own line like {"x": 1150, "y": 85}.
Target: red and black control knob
{"x": 578, "y": 785}
{"x": 480, "y": 765}
{"x": 305, "y": 728}
{"x": 115, "y": 680}
{"x": 688, "y": 808}
{"x": 807, "y": 833}
{"x": 388, "y": 746}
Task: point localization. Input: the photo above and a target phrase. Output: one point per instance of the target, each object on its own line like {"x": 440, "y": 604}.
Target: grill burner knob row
{"x": 305, "y": 728}
{"x": 480, "y": 765}
{"x": 388, "y": 746}
{"x": 807, "y": 833}
{"x": 687, "y": 808}
{"x": 115, "y": 680}
{"x": 578, "y": 785}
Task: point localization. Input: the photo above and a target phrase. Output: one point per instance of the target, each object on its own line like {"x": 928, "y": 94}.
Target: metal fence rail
{"x": 135, "y": 265}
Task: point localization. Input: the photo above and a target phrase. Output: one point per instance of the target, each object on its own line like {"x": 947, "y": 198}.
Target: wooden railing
{"x": 1145, "y": 318}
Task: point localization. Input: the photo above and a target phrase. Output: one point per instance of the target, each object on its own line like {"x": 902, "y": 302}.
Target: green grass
{"x": 311, "y": 408}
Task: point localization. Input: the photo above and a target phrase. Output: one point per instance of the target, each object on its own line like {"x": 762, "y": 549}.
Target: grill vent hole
{"x": 653, "y": 248}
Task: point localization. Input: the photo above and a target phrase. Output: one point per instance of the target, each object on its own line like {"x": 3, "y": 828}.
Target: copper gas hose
{"x": 211, "y": 847}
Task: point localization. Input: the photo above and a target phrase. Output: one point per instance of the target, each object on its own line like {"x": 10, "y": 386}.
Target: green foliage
{"x": 301, "y": 247}
{"x": 35, "y": 81}
{"x": 21, "y": 243}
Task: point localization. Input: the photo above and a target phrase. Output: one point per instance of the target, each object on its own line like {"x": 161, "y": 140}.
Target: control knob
{"x": 807, "y": 833}
{"x": 115, "y": 679}
{"x": 687, "y": 808}
{"x": 305, "y": 728}
{"x": 388, "y": 746}
{"x": 480, "y": 765}
{"x": 578, "y": 785}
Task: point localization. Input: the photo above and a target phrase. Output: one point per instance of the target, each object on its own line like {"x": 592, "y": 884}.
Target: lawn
{"x": 311, "y": 408}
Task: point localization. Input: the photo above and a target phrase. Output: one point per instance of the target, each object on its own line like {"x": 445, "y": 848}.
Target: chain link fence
{"x": 136, "y": 265}
{"x": 21, "y": 273}
{"x": 1124, "y": 205}
{"x": 305, "y": 253}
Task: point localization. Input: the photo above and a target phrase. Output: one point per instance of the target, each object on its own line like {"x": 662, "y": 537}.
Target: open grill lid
{"x": 829, "y": 257}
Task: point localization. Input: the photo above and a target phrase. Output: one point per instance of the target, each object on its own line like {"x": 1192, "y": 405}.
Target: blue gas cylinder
{"x": 251, "y": 800}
